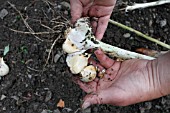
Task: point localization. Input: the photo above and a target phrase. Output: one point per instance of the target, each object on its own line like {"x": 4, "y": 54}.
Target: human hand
{"x": 123, "y": 83}
{"x": 100, "y": 9}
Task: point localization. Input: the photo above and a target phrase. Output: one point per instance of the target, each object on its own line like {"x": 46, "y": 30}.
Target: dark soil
{"x": 32, "y": 87}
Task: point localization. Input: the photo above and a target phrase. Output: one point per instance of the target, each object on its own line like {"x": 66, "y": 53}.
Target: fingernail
{"x": 85, "y": 105}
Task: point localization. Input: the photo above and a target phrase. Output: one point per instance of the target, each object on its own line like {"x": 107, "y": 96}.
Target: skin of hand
{"x": 100, "y": 9}
{"x": 127, "y": 82}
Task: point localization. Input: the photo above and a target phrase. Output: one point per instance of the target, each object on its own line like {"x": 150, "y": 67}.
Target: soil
{"x": 32, "y": 86}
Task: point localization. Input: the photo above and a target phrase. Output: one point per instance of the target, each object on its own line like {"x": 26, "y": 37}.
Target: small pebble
{"x": 4, "y": 108}
{"x": 87, "y": 110}
{"x": 44, "y": 111}
{"x": 15, "y": 98}
{"x": 157, "y": 106}
{"x": 3, "y": 13}
{"x": 148, "y": 105}
{"x": 66, "y": 12}
{"x": 48, "y": 96}
{"x": 163, "y": 22}
{"x": 56, "y": 111}
{"x": 95, "y": 109}
{"x": 29, "y": 76}
{"x": 56, "y": 57}
{"x": 67, "y": 109}
{"x": 3, "y": 97}
{"x": 142, "y": 110}
{"x": 126, "y": 35}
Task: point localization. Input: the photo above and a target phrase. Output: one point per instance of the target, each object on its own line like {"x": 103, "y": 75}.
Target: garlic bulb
{"x": 77, "y": 62}
{"x": 4, "y": 69}
{"x": 88, "y": 73}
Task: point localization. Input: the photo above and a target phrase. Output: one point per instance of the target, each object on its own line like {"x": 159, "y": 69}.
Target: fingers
{"x": 103, "y": 13}
{"x": 101, "y": 27}
{"x": 94, "y": 26}
{"x": 104, "y": 60}
{"x": 87, "y": 87}
{"x": 76, "y": 10}
{"x": 96, "y": 64}
{"x": 90, "y": 100}
{"x": 100, "y": 11}
{"x": 109, "y": 96}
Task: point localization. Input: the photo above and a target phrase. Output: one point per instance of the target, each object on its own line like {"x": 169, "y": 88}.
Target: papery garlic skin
{"x": 4, "y": 69}
{"x": 88, "y": 74}
{"x": 77, "y": 62}
{"x": 81, "y": 35}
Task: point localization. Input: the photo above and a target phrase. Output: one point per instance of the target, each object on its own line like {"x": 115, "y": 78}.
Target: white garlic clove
{"x": 4, "y": 69}
{"x": 77, "y": 62}
{"x": 88, "y": 74}
{"x": 69, "y": 47}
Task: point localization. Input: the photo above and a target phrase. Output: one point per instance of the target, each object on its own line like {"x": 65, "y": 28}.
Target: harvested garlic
{"x": 77, "y": 62}
{"x": 81, "y": 38}
{"x": 4, "y": 69}
{"x": 88, "y": 74}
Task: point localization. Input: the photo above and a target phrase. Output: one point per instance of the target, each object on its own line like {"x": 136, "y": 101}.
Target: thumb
{"x": 91, "y": 99}
{"x": 108, "y": 96}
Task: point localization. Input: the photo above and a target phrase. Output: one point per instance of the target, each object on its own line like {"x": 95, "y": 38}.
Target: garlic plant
{"x": 4, "y": 69}
{"x": 81, "y": 38}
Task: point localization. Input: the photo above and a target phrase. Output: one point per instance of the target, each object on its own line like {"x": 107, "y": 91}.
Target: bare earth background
{"x": 32, "y": 87}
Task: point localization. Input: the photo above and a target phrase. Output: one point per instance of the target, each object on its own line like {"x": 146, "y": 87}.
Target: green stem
{"x": 140, "y": 34}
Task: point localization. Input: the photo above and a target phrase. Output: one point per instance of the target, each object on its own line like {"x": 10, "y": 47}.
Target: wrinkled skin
{"x": 93, "y": 8}
{"x": 124, "y": 83}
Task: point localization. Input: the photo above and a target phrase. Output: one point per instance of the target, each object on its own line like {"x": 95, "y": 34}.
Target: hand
{"x": 100, "y": 9}
{"x": 123, "y": 83}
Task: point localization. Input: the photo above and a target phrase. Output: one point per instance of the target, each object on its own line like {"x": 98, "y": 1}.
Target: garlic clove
{"x": 77, "y": 62}
{"x": 4, "y": 69}
{"x": 88, "y": 74}
{"x": 69, "y": 47}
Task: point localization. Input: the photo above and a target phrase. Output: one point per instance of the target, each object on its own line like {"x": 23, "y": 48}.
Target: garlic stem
{"x": 145, "y": 5}
{"x": 139, "y": 33}
{"x": 121, "y": 53}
